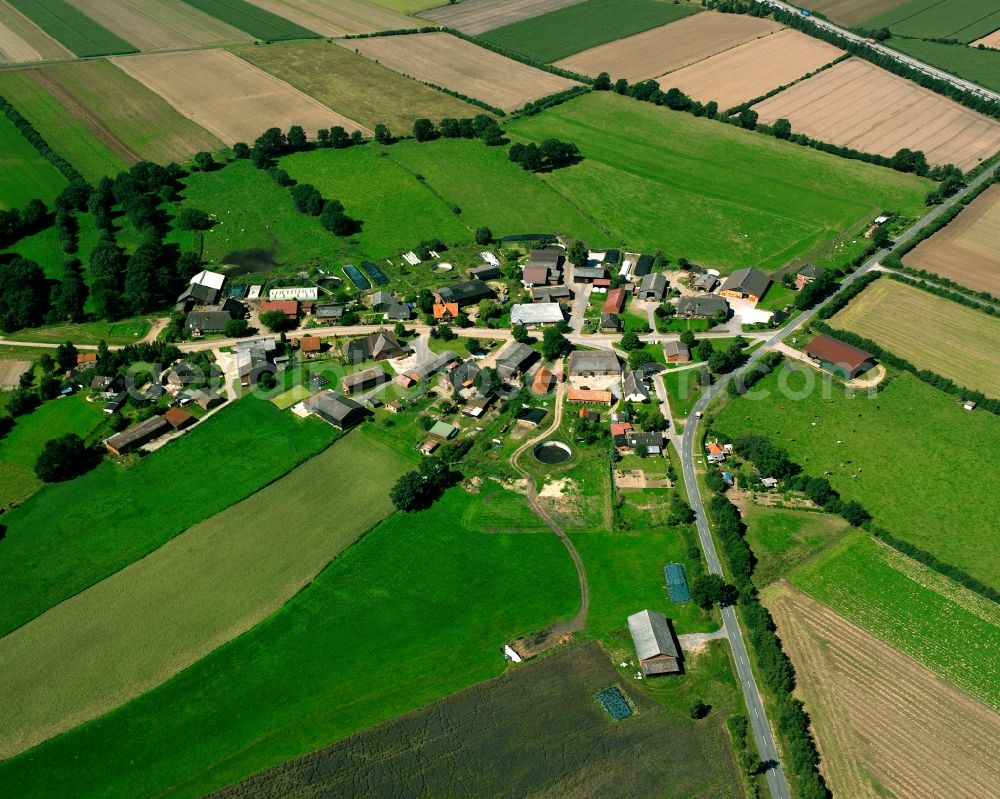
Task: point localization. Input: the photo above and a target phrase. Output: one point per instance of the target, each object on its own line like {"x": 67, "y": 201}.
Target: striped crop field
{"x": 256, "y": 21}
{"x": 72, "y": 28}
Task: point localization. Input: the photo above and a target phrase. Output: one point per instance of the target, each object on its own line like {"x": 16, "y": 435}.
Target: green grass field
{"x": 72, "y": 28}
{"x": 355, "y": 86}
{"x": 121, "y": 514}
{"x": 124, "y": 331}
{"x": 253, "y": 19}
{"x": 140, "y": 626}
{"x": 720, "y": 196}
{"x": 965, "y": 20}
{"x": 781, "y": 538}
{"x": 936, "y": 622}
{"x": 64, "y": 132}
{"x": 24, "y": 174}
{"x": 419, "y": 593}
{"x": 910, "y": 455}
{"x": 979, "y": 66}
{"x": 286, "y": 399}
{"x": 560, "y": 33}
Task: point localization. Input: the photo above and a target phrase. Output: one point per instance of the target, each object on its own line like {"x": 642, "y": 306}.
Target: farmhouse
{"x": 336, "y": 409}
{"x": 676, "y": 352}
{"x": 85, "y": 359}
{"x": 653, "y": 287}
{"x": 445, "y": 311}
{"x": 464, "y": 375}
{"x": 650, "y": 442}
{"x": 290, "y": 308}
{"x": 309, "y": 346}
{"x": 200, "y": 322}
{"x": 590, "y": 397}
{"x": 619, "y": 433}
{"x": 379, "y": 345}
{"x": 592, "y": 363}
{"x": 536, "y": 313}
{"x": 468, "y": 292}
{"x": 485, "y": 272}
{"x": 364, "y": 380}
{"x": 588, "y": 274}
{"x": 654, "y": 643}
{"x": 137, "y": 435}
{"x": 746, "y": 284}
{"x": 707, "y": 305}
{"x": 705, "y": 283}
{"x": 205, "y": 398}
{"x": 614, "y": 302}
{"x": 807, "y": 275}
{"x": 302, "y": 293}
{"x": 394, "y": 310}
{"x": 551, "y": 294}
{"x": 515, "y": 360}
{"x": 331, "y": 311}
{"x": 610, "y": 321}
{"x": 253, "y": 358}
{"x": 634, "y": 387}
{"x": 839, "y": 357}
{"x": 544, "y": 381}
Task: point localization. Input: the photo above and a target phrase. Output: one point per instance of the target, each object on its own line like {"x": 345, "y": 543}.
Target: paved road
{"x": 927, "y": 69}
{"x": 689, "y": 449}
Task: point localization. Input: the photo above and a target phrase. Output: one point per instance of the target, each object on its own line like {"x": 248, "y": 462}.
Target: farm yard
{"x": 445, "y": 60}
{"x": 304, "y": 676}
{"x": 752, "y": 69}
{"x": 356, "y": 86}
{"x": 593, "y": 22}
{"x": 160, "y": 24}
{"x": 960, "y": 343}
{"x": 251, "y": 102}
{"x": 964, "y": 20}
{"x": 875, "y": 462}
{"x": 705, "y": 191}
{"x": 478, "y": 16}
{"x": 535, "y": 731}
{"x": 123, "y": 114}
{"x": 885, "y": 725}
{"x": 669, "y": 47}
{"x": 244, "y": 447}
{"x": 856, "y": 104}
{"x": 22, "y": 40}
{"x": 253, "y": 18}
{"x": 26, "y": 175}
{"x": 967, "y": 250}
{"x": 337, "y": 19}
{"x": 947, "y": 628}
{"x": 143, "y": 624}
{"x": 72, "y": 28}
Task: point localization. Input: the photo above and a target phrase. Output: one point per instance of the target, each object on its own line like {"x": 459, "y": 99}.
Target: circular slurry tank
{"x": 553, "y": 452}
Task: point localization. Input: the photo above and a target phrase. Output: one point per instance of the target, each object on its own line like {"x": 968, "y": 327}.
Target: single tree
{"x": 237, "y": 328}
{"x": 483, "y": 236}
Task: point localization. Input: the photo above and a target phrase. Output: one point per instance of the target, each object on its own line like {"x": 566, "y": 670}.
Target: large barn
{"x": 654, "y": 643}
{"x": 839, "y": 357}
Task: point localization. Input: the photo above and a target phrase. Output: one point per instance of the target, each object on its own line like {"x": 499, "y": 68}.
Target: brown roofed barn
{"x": 839, "y": 357}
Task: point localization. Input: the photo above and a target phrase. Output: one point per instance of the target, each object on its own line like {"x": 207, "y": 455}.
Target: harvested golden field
{"x": 21, "y": 40}
{"x": 852, "y": 12}
{"x": 337, "y": 18}
{"x": 238, "y": 103}
{"x": 752, "y": 69}
{"x": 967, "y": 250}
{"x": 665, "y": 49}
{"x": 993, "y": 40}
{"x": 885, "y": 725}
{"x": 962, "y": 344}
{"x": 856, "y": 104}
{"x": 160, "y": 24}
{"x": 478, "y": 16}
{"x": 458, "y": 65}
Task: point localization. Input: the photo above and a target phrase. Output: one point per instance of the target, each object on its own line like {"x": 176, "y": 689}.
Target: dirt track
{"x": 752, "y": 69}
{"x": 968, "y": 249}
{"x": 669, "y": 47}
{"x": 883, "y": 721}
{"x": 445, "y": 60}
{"x": 858, "y": 105}
{"x": 477, "y": 16}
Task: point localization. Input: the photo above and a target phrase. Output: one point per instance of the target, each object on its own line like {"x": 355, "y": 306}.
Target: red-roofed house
{"x": 615, "y": 301}
{"x": 289, "y": 308}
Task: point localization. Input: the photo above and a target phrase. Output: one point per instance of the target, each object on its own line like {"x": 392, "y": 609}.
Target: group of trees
{"x": 420, "y": 488}
{"x": 550, "y": 154}
{"x": 64, "y": 458}
{"x": 554, "y": 343}
{"x": 17, "y": 223}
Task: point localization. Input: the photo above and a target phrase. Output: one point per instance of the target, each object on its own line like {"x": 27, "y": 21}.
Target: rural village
{"x": 611, "y": 367}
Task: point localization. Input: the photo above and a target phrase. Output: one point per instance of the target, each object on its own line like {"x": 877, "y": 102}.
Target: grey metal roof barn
{"x": 654, "y": 643}
{"x": 702, "y": 305}
{"x": 515, "y": 359}
{"x": 594, "y": 362}
{"x": 537, "y": 313}
{"x": 653, "y": 286}
{"x": 485, "y": 272}
{"x": 336, "y": 409}
{"x": 465, "y": 293}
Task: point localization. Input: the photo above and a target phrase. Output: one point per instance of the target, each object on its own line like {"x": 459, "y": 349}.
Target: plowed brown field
{"x": 445, "y": 60}
{"x": 227, "y": 96}
{"x": 993, "y": 40}
{"x": 752, "y": 69}
{"x": 883, "y": 722}
{"x": 477, "y": 16}
{"x": 21, "y": 40}
{"x": 858, "y": 105}
{"x": 660, "y": 50}
{"x": 337, "y": 18}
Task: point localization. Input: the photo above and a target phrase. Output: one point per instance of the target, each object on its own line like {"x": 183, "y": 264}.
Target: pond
{"x": 553, "y": 452}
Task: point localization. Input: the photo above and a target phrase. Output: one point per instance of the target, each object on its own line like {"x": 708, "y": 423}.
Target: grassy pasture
{"x": 592, "y": 22}
{"x": 932, "y": 619}
{"x": 930, "y": 332}
{"x": 717, "y": 195}
{"x": 355, "y": 86}
{"x": 910, "y": 455}
{"x": 965, "y": 20}
{"x": 781, "y": 538}
{"x": 143, "y": 624}
{"x": 120, "y": 514}
{"x": 71, "y": 27}
{"x": 979, "y": 66}
{"x": 434, "y": 600}
{"x": 64, "y": 132}
{"x": 254, "y": 20}
{"x": 488, "y": 740}
{"x": 24, "y": 174}
{"x": 124, "y": 331}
